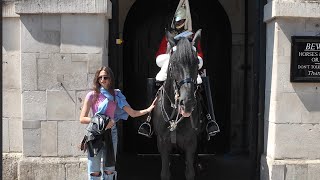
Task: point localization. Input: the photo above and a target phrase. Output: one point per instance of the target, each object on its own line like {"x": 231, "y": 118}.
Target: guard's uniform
{"x": 163, "y": 48}
{"x": 163, "y": 56}
{"x": 182, "y": 26}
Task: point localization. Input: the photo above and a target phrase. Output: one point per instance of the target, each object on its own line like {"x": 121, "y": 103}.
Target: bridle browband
{"x": 184, "y": 81}
{"x": 187, "y": 80}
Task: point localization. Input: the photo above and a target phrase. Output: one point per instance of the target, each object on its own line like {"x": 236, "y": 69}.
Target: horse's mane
{"x": 184, "y": 54}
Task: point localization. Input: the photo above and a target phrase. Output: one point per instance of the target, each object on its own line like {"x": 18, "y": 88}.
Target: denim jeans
{"x": 96, "y": 163}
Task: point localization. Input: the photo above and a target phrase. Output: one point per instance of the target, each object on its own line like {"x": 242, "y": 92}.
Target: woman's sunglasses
{"x": 104, "y": 77}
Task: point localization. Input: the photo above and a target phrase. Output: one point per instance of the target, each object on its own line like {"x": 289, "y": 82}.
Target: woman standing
{"x": 111, "y": 103}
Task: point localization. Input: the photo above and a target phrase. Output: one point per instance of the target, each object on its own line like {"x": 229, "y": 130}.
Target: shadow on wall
{"x": 269, "y": 68}
{"x": 11, "y": 32}
{"x": 309, "y": 95}
{"x": 71, "y": 32}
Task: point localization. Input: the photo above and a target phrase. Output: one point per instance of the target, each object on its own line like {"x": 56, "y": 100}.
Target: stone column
{"x": 11, "y": 91}
{"x": 63, "y": 43}
{"x": 292, "y": 110}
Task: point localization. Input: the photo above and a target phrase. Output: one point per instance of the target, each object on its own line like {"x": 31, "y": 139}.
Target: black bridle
{"x": 176, "y": 87}
{"x": 186, "y": 80}
{"x": 175, "y": 116}
{"x": 183, "y": 81}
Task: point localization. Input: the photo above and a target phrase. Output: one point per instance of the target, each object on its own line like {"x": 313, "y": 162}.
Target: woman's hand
{"x": 153, "y": 104}
{"x": 110, "y": 124}
{"x": 137, "y": 113}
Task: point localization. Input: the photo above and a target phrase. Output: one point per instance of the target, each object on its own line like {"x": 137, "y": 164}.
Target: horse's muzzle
{"x": 186, "y": 108}
{"x": 185, "y": 114}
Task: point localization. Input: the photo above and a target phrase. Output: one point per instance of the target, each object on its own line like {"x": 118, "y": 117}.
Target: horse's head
{"x": 183, "y": 71}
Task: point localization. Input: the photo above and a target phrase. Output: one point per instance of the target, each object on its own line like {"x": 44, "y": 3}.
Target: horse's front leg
{"x": 189, "y": 160}
{"x": 164, "y": 148}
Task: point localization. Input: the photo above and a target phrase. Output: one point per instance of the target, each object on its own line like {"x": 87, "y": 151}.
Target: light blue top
{"x": 121, "y": 102}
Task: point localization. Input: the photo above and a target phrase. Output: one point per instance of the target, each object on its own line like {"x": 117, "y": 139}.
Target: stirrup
{"x": 212, "y": 133}
{"x": 147, "y": 134}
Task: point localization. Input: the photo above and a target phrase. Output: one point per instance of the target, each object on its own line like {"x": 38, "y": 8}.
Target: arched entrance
{"x": 143, "y": 31}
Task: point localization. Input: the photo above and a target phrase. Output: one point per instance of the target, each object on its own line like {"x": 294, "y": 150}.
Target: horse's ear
{"x": 196, "y": 37}
{"x": 170, "y": 38}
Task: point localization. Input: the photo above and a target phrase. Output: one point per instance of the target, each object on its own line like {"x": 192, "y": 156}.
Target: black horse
{"x": 176, "y": 118}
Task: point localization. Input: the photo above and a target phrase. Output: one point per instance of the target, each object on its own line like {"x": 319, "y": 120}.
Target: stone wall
{"x": 11, "y": 118}
{"x": 292, "y": 110}
{"x": 50, "y": 56}
{"x": 59, "y": 61}
{"x": 11, "y": 92}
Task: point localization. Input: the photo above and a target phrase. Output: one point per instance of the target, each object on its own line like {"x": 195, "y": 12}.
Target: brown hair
{"x": 97, "y": 86}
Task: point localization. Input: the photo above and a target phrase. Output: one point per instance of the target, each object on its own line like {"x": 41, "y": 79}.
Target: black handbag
{"x": 83, "y": 145}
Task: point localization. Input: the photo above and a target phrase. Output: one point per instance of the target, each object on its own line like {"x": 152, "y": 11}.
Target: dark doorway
{"x": 144, "y": 29}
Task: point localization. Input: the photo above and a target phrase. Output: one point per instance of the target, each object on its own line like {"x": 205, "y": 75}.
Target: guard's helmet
{"x": 180, "y": 17}
{"x": 180, "y": 14}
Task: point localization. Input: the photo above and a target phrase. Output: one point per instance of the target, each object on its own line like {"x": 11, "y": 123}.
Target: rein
{"x": 175, "y": 105}
{"x": 176, "y": 109}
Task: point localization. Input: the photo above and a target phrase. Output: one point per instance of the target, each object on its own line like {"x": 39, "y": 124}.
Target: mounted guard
{"x": 181, "y": 27}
